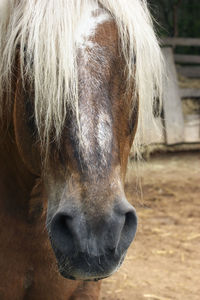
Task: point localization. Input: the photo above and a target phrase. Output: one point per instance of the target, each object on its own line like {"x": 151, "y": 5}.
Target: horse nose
{"x": 73, "y": 232}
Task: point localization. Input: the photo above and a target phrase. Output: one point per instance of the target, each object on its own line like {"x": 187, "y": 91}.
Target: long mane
{"x": 44, "y": 33}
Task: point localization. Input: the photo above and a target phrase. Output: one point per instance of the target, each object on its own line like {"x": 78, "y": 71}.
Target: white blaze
{"x": 99, "y": 138}
{"x": 89, "y": 23}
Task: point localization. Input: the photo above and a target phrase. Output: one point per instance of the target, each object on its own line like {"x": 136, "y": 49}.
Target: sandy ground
{"x": 163, "y": 263}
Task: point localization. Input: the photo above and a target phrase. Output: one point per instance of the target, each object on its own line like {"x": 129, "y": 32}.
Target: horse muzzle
{"x": 92, "y": 247}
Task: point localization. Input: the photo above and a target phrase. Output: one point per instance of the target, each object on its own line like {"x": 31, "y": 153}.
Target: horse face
{"x": 89, "y": 221}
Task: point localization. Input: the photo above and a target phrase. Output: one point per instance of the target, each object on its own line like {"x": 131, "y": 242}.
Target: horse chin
{"x": 87, "y": 268}
{"x": 67, "y": 276}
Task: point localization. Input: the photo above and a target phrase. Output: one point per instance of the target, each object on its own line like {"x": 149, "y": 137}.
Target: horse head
{"x": 75, "y": 116}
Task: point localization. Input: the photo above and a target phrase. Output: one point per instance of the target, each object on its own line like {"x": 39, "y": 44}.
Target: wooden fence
{"x": 188, "y": 69}
{"x": 177, "y": 127}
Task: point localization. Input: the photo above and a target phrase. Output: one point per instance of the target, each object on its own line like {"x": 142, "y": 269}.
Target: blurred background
{"x": 164, "y": 261}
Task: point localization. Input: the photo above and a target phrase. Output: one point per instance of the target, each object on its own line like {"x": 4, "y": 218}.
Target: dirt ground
{"x": 163, "y": 263}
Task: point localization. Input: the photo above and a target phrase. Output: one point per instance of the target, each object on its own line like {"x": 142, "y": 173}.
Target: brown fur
{"x": 27, "y": 263}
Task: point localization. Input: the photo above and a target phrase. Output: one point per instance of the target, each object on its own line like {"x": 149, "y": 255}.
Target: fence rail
{"x": 189, "y": 93}
{"x": 190, "y": 59}
{"x": 189, "y": 71}
{"x": 181, "y": 42}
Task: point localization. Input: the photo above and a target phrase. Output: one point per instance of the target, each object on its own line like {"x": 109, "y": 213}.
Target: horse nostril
{"x": 126, "y": 212}
{"x": 62, "y": 232}
{"x": 129, "y": 229}
{"x": 130, "y": 219}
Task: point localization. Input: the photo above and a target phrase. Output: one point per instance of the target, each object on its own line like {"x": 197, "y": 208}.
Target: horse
{"x": 78, "y": 80}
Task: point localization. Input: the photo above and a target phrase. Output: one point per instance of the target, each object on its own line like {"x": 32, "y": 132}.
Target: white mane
{"x": 47, "y": 30}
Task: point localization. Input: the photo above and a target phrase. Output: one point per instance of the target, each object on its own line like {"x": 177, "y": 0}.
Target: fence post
{"x": 173, "y": 115}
